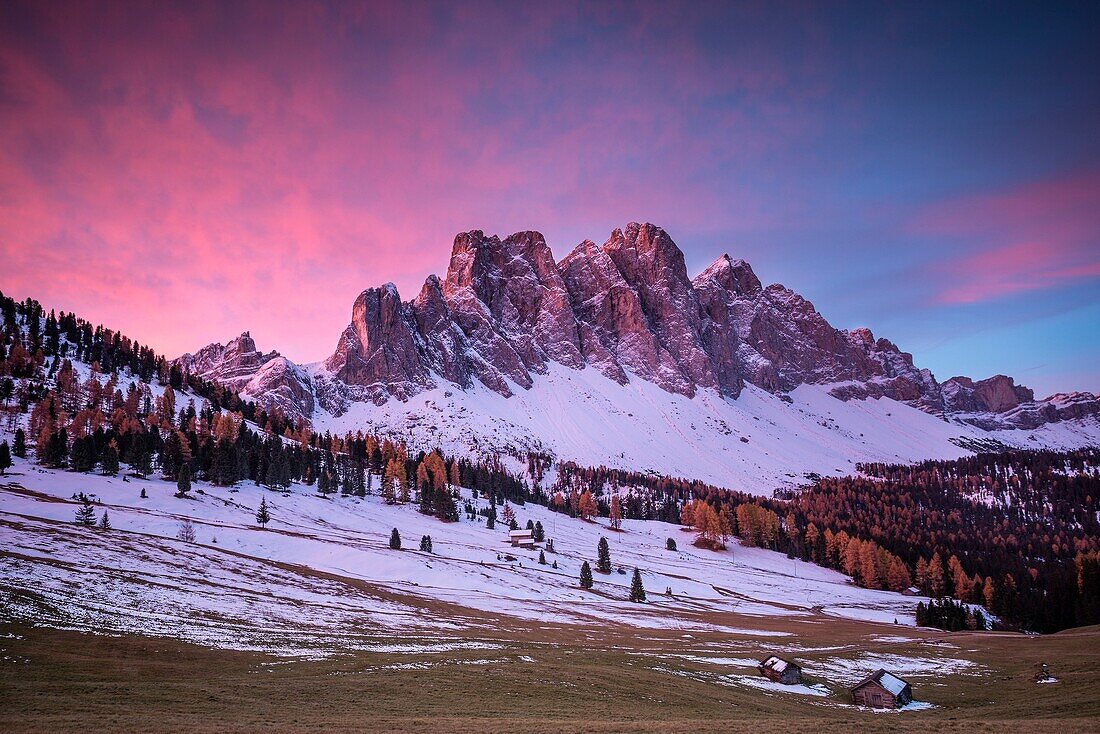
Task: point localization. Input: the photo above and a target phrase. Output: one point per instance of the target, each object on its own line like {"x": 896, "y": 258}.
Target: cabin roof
{"x": 777, "y": 664}
{"x": 519, "y": 533}
{"x": 886, "y": 679}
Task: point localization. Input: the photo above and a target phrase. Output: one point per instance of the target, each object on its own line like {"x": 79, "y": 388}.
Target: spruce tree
{"x": 539, "y": 533}
{"x": 637, "y": 591}
{"x": 183, "y": 480}
{"x": 542, "y": 558}
{"x": 426, "y": 544}
{"x": 670, "y": 544}
{"x": 5, "y": 457}
{"x": 426, "y": 498}
{"x": 603, "y": 558}
{"x": 109, "y": 460}
{"x": 19, "y": 447}
{"x": 586, "y": 576}
{"x": 85, "y": 514}
{"x": 104, "y": 522}
{"x": 395, "y": 540}
{"x": 444, "y": 506}
{"x": 262, "y": 515}
{"x": 82, "y": 458}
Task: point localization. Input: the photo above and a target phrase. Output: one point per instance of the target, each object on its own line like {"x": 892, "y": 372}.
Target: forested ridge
{"x": 1017, "y": 532}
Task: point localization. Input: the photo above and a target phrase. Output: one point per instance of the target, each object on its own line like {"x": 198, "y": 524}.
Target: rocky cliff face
{"x": 270, "y": 379}
{"x": 506, "y": 311}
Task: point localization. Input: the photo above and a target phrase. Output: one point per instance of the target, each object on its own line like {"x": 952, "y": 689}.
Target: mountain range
{"x": 509, "y": 332}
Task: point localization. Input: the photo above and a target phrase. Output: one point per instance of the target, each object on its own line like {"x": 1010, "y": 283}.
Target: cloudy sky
{"x": 186, "y": 172}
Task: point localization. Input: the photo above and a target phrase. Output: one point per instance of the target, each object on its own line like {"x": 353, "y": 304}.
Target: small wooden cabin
{"x": 521, "y": 539}
{"x": 882, "y": 689}
{"x": 781, "y": 671}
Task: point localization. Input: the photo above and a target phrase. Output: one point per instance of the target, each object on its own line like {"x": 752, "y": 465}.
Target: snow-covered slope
{"x": 323, "y": 569}
{"x": 755, "y": 443}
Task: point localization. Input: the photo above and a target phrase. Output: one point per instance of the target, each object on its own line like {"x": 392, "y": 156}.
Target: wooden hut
{"x": 781, "y": 671}
{"x": 521, "y": 539}
{"x": 882, "y": 689}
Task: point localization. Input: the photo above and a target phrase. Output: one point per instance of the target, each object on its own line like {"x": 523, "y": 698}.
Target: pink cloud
{"x": 1033, "y": 237}
{"x": 184, "y": 176}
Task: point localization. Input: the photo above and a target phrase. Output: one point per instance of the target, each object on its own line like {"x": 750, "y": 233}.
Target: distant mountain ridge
{"x": 506, "y": 311}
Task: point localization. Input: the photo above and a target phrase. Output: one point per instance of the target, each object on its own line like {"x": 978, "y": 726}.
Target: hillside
{"x": 317, "y": 608}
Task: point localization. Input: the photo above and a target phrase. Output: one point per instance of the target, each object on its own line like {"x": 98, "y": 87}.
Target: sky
{"x": 185, "y": 172}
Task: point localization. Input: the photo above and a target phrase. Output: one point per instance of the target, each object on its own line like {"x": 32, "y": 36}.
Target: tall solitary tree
{"x": 5, "y": 457}
{"x": 395, "y": 540}
{"x": 637, "y": 591}
{"x": 586, "y": 576}
{"x": 603, "y": 558}
{"x": 263, "y": 517}
{"x": 104, "y": 522}
{"x": 85, "y": 514}
{"x": 19, "y": 448}
{"x": 183, "y": 480}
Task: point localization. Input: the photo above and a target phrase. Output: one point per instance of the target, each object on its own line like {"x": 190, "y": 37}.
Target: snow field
{"x": 323, "y": 565}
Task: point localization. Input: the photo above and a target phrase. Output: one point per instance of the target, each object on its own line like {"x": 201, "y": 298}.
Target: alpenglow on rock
{"x": 506, "y": 312}
{"x": 270, "y": 379}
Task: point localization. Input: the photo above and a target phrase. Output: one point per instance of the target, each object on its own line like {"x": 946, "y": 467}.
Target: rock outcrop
{"x": 270, "y": 379}
{"x": 506, "y": 312}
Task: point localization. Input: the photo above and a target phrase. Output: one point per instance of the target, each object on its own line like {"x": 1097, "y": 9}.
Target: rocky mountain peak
{"x": 379, "y": 348}
{"x": 270, "y": 379}
{"x": 506, "y": 313}
{"x": 736, "y": 276}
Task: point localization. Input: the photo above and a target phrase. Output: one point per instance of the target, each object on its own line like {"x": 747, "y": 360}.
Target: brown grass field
{"x": 539, "y": 680}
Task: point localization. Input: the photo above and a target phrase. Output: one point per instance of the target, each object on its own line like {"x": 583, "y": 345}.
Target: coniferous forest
{"x": 1016, "y": 532}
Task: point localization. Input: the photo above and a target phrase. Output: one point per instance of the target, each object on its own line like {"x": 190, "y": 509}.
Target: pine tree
{"x": 539, "y": 533}
{"x": 183, "y": 481}
{"x": 262, "y": 515}
{"x": 19, "y": 447}
{"x": 109, "y": 460}
{"x": 104, "y": 522}
{"x": 491, "y": 518}
{"x": 395, "y": 540}
{"x": 186, "y": 532}
{"x": 85, "y": 514}
{"x": 542, "y": 558}
{"x": 426, "y": 543}
{"x": 670, "y": 544}
{"x": 603, "y": 557}
{"x": 82, "y": 458}
{"x": 5, "y": 457}
{"x": 637, "y": 591}
{"x": 586, "y": 576}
